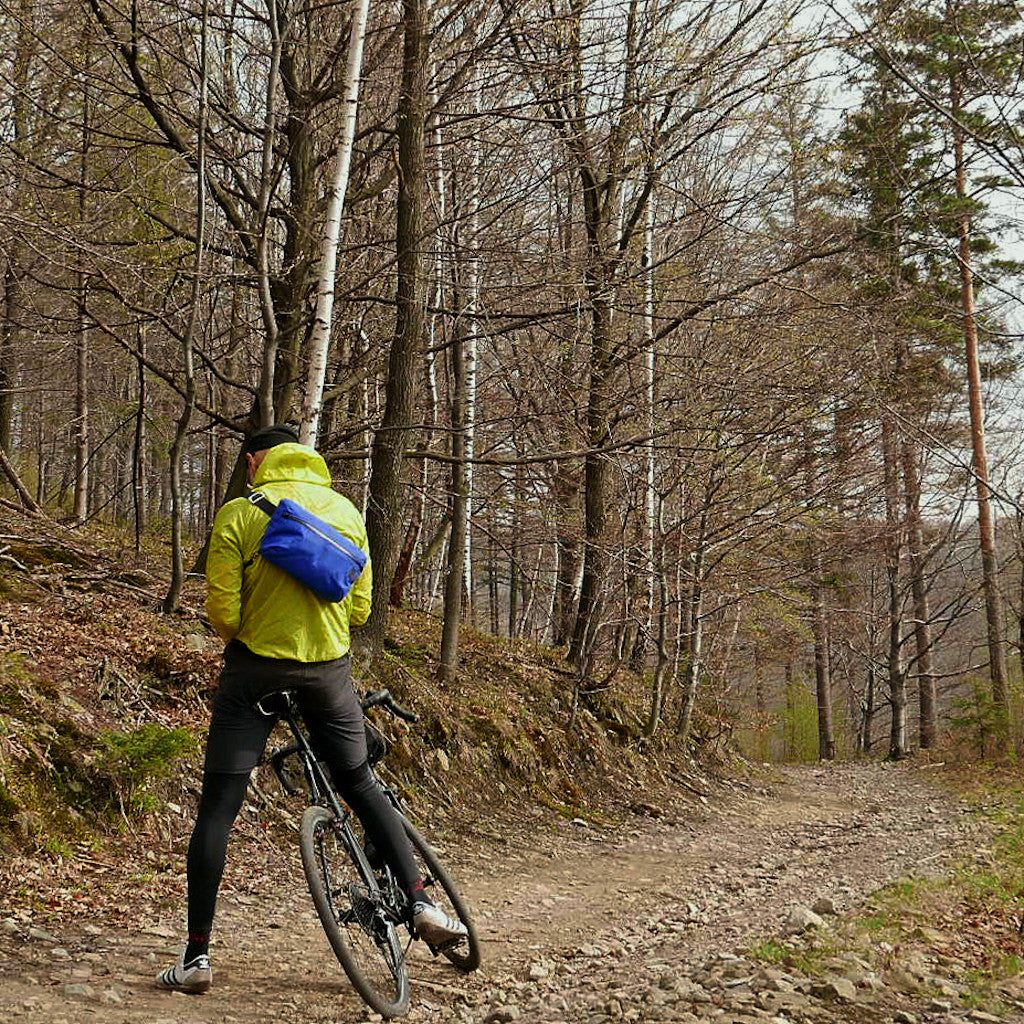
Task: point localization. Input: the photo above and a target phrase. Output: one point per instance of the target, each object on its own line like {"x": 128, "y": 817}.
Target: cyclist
{"x": 279, "y": 635}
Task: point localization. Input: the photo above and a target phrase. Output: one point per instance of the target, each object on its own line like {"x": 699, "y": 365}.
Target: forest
{"x": 680, "y": 336}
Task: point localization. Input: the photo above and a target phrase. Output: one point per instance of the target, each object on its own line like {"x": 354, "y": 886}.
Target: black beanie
{"x": 270, "y": 437}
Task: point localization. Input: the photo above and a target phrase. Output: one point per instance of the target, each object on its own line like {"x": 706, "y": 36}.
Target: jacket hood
{"x": 292, "y": 463}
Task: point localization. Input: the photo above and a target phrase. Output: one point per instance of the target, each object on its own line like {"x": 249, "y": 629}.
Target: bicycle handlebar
{"x": 383, "y": 699}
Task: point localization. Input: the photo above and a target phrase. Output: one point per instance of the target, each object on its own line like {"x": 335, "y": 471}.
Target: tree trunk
{"x": 320, "y": 340}
{"x": 15, "y": 481}
{"x": 173, "y": 597}
{"x": 595, "y": 511}
{"x": 384, "y": 519}
{"x": 139, "y": 496}
{"x": 694, "y": 646}
{"x": 564, "y": 491}
{"x": 822, "y": 664}
{"x": 21, "y": 66}
{"x": 893, "y": 558}
{"x": 663, "y": 662}
{"x": 454, "y": 575}
{"x": 868, "y": 712}
{"x": 515, "y": 552}
{"x": 1020, "y": 589}
{"x": 986, "y": 518}
{"x": 789, "y": 738}
{"x": 639, "y": 651}
{"x": 81, "y": 508}
{"x": 436, "y": 334}
{"x": 9, "y": 362}
{"x": 760, "y": 703}
{"x": 928, "y": 726}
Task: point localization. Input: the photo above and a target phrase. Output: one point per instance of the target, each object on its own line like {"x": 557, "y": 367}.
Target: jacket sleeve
{"x": 224, "y": 563}
{"x": 362, "y": 592}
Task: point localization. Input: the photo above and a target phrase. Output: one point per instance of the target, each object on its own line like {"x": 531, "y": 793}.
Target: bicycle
{"x": 357, "y": 898}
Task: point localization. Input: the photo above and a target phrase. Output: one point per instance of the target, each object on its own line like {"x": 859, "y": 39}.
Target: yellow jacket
{"x": 250, "y": 599}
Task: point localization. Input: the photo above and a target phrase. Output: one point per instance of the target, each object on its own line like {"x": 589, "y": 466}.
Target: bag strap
{"x": 263, "y": 503}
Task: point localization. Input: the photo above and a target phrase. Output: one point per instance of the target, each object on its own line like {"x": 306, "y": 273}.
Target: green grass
{"x": 58, "y": 848}
{"x": 772, "y": 951}
{"x": 904, "y": 917}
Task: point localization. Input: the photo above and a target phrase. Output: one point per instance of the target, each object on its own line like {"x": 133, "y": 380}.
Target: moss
{"x": 9, "y": 807}
{"x": 34, "y": 556}
{"x": 84, "y": 786}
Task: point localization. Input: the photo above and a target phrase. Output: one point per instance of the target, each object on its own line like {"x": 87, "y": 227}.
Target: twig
{"x": 12, "y": 475}
{"x": 683, "y": 782}
{"x": 4, "y": 557}
{"x": 447, "y": 989}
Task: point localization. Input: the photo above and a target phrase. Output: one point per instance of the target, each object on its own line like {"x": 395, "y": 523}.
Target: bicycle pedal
{"x": 445, "y": 946}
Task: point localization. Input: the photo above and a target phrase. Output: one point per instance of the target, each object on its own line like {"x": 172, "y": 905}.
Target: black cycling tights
{"x": 220, "y": 803}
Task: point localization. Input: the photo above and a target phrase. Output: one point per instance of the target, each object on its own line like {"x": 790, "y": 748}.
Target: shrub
{"x": 137, "y": 759}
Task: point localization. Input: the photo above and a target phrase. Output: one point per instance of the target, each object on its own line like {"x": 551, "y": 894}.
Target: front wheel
{"x": 361, "y": 933}
{"x": 465, "y": 954}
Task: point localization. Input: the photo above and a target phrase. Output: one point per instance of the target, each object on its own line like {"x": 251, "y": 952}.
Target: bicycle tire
{"x": 466, "y": 954}
{"x": 362, "y": 936}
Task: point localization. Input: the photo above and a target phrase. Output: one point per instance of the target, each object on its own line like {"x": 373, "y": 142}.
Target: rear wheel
{"x": 441, "y": 888}
{"x": 352, "y": 913}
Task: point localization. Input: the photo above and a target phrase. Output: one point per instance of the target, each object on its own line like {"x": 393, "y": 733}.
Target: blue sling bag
{"x": 314, "y": 552}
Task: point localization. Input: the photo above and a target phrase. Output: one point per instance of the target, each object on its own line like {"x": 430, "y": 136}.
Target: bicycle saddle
{"x": 275, "y": 703}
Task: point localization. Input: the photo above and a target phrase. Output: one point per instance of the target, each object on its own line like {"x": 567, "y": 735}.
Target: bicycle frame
{"x": 321, "y": 791}
{"x": 366, "y": 907}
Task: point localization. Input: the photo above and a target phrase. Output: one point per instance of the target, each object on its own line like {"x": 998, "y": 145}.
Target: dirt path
{"x": 564, "y": 903}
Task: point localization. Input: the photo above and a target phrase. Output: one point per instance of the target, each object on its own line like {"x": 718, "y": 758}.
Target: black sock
{"x": 197, "y": 945}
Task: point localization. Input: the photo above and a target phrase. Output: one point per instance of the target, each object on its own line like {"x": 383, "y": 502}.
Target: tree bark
{"x": 15, "y": 481}
{"x": 928, "y": 725}
{"x": 81, "y": 420}
{"x": 986, "y": 518}
{"x": 663, "y": 662}
{"x": 320, "y": 340}
{"x": 173, "y": 596}
{"x": 139, "y": 489}
{"x": 694, "y": 646}
{"x": 384, "y": 519}
{"x": 455, "y": 570}
{"x": 822, "y": 665}
{"x": 893, "y": 558}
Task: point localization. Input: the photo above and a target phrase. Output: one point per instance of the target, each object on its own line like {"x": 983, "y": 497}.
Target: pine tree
{"x": 936, "y": 70}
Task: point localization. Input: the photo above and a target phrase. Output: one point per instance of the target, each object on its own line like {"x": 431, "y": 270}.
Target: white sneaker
{"x": 435, "y": 927}
{"x": 194, "y": 978}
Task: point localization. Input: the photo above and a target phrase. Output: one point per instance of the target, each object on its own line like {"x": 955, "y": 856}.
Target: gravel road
{"x": 579, "y": 923}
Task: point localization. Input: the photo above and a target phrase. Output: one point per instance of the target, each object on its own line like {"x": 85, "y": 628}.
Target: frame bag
{"x": 314, "y": 552}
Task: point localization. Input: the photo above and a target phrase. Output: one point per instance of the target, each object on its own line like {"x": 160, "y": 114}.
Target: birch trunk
{"x": 320, "y": 339}
{"x": 694, "y": 610}
{"x": 473, "y": 297}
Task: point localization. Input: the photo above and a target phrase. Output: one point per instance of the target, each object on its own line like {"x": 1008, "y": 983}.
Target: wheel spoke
{"x": 355, "y": 922}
